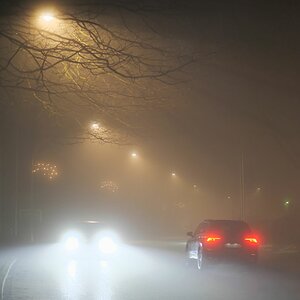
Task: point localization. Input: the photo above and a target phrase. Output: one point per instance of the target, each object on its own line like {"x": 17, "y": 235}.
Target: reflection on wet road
{"x": 137, "y": 273}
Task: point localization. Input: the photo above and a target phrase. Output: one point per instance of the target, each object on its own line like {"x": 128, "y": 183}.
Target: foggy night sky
{"x": 241, "y": 96}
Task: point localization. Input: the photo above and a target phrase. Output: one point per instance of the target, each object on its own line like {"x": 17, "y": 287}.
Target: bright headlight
{"x": 71, "y": 240}
{"x": 107, "y": 245}
{"x": 72, "y": 243}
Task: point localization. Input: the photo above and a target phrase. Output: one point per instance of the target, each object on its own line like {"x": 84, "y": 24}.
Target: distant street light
{"x": 195, "y": 188}
{"x": 95, "y": 126}
{"x": 134, "y": 154}
{"x": 286, "y": 203}
{"x": 173, "y": 174}
{"x": 258, "y": 189}
{"x": 228, "y": 197}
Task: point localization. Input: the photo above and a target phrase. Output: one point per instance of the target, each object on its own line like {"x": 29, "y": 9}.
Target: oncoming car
{"x": 215, "y": 240}
{"x": 90, "y": 239}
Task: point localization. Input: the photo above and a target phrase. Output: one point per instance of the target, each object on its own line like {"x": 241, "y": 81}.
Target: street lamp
{"x": 95, "y": 126}
{"x": 134, "y": 155}
{"x": 173, "y": 174}
{"x": 47, "y": 17}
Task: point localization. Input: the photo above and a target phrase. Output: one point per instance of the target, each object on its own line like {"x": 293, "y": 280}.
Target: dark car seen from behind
{"x": 216, "y": 240}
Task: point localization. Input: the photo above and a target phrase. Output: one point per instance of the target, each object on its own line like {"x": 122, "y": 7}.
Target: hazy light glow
{"x": 47, "y": 17}
{"x": 72, "y": 243}
{"x": 134, "y": 154}
{"x": 71, "y": 240}
{"x": 173, "y": 174}
{"x": 107, "y": 245}
{"x": 95, "y": 126}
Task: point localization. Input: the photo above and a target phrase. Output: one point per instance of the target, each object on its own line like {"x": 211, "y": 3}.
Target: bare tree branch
{"x": 87, "y": 58}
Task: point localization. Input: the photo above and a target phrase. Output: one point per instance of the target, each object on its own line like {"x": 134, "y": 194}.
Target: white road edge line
{"x": 5, "y": 277}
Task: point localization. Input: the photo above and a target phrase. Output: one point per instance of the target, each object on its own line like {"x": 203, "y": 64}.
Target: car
{"x": 215, "y": 240}
{"x": 90, "y": 239}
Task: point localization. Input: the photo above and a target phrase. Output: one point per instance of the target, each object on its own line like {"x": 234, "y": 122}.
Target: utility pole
{"x": 242, "y": 182}
{"x": 16, "y": 217}
{"x": 32, "y": 202}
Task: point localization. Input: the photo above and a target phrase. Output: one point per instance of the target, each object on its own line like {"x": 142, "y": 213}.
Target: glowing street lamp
{"x": 95, "y": 126}
{"x": 47, "y": 17}
{"x": 47, "y": 20}
{"x": 173, "y": 174}
{"x": 134, "y": 155}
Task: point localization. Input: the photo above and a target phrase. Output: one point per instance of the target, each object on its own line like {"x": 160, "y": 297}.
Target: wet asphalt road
{"x": 139, "y": 272}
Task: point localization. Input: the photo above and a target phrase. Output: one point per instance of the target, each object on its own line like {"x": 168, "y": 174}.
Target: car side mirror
{"x": 190, "y": 233}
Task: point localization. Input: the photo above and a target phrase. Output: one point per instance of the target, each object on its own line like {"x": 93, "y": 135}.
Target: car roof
{"x": 229, "y": 224}
{"x": 224, "y": 221}
{"x": 88, "y": 224}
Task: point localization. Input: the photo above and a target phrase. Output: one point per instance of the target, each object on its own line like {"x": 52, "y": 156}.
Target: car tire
{"x": 201, "y": 260}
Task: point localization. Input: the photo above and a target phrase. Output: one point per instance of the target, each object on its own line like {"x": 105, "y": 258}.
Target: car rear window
{"x": 229, "y": 226}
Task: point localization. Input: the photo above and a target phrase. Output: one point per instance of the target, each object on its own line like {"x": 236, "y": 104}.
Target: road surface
{"x": 138, "y": 272}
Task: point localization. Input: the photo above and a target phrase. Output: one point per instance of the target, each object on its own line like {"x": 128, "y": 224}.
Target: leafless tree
{"x": 86, "y": 62}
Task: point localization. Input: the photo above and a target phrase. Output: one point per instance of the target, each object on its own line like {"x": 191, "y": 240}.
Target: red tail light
{"x": 212, "y": 239}
{"x": 251, "y": 240}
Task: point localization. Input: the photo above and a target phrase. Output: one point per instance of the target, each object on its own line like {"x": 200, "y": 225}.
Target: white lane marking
{"x": 5, "y": 277}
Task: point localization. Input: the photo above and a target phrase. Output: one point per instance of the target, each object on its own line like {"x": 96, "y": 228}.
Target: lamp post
{"x": 242, "y": 184}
